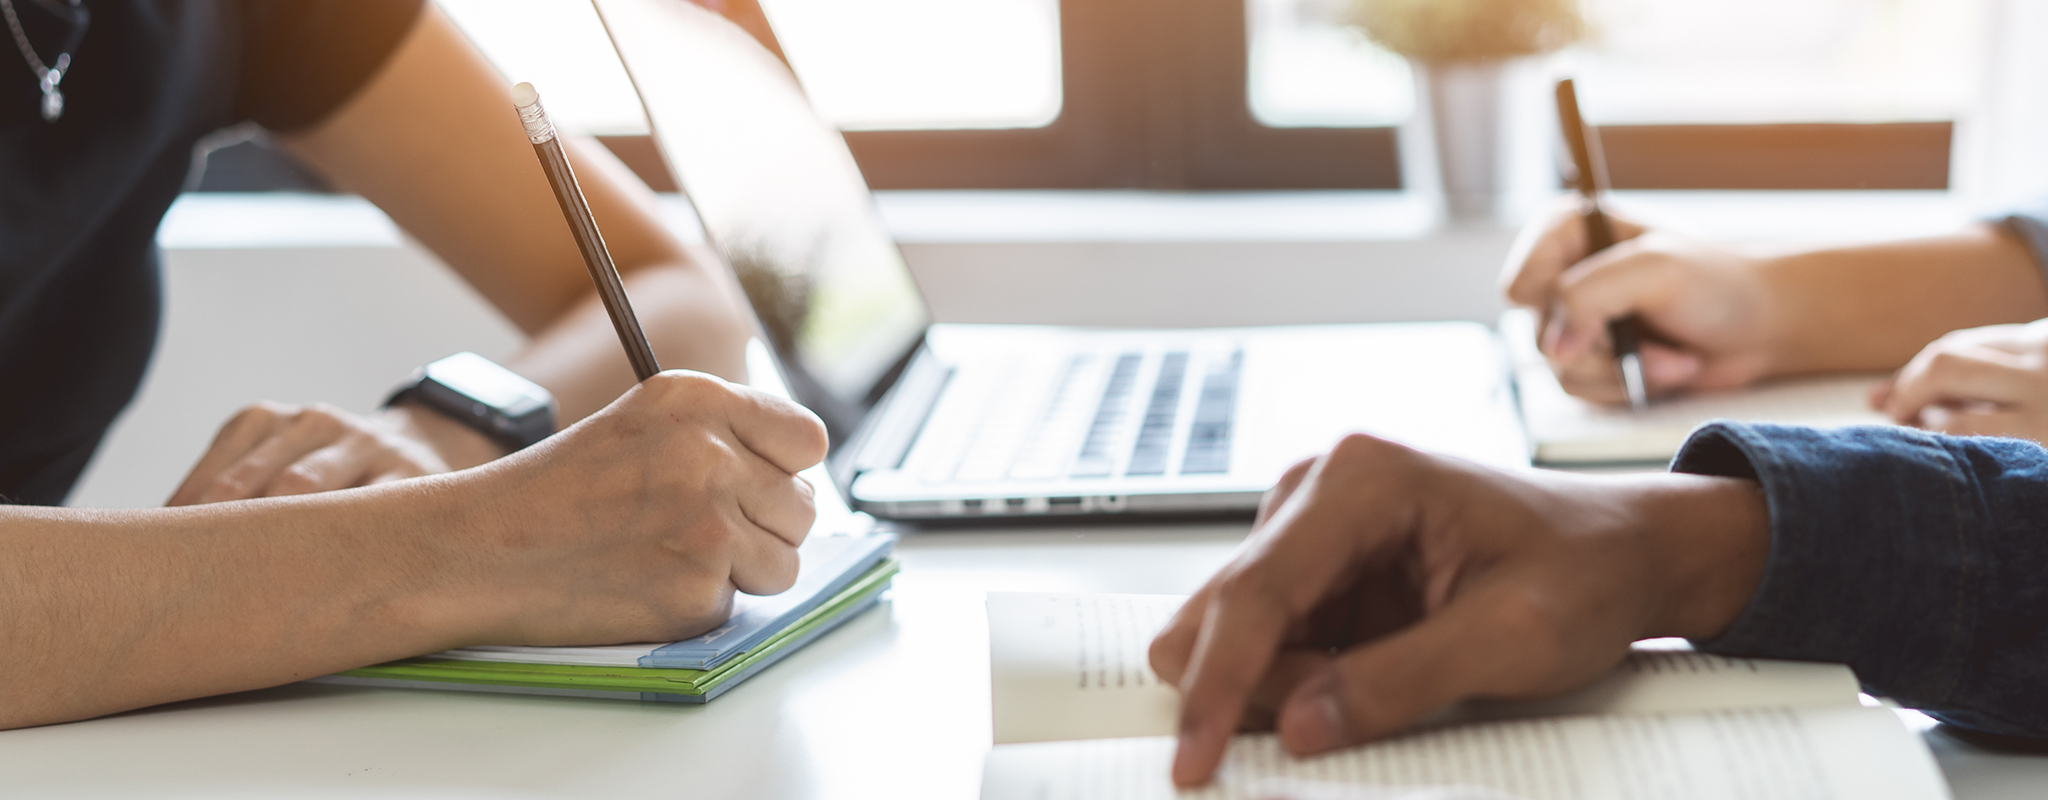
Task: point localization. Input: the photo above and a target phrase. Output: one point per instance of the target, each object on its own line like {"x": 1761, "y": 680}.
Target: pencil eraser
{"x": 523, "y": 95}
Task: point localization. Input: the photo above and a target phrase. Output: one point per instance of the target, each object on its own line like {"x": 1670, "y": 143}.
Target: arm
{"x": 1382, "y": 584}
{"x": 1727, "y": 318}
{"x": 446, "y": 158}
{"x": 636, "y": 524}
{"x": 1914, "y": 558}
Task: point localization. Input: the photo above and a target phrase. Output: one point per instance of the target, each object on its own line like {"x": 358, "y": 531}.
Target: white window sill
{"x": 279, "y": 220}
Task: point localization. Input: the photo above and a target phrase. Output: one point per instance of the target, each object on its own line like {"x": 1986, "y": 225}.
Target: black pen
{"x": 603, "y": 272}
{"x": 1591, "y": 182}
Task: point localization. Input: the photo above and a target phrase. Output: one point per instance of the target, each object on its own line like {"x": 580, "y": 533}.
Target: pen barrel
{"x": 583, "y": 228}
{"x": 1599, "y": 231}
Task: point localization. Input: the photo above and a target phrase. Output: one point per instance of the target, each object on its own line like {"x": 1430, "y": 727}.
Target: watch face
{"x": 481, "y": 380}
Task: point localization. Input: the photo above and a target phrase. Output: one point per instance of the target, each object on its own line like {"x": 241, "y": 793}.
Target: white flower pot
{"x": 1468, "y": 142}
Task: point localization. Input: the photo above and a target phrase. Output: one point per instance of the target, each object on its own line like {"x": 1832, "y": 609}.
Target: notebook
{"x": 827, "y": 565}
{"x": 628, "y": 682}
{"x": 1078, "y": 715}
{"x": 1567, "y": 430}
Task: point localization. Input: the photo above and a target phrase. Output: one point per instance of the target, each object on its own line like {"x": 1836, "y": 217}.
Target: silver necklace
{"x": 47, "y": 77}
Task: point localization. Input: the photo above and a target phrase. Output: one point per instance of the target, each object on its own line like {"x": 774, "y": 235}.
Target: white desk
{"x": 894, "y": 705}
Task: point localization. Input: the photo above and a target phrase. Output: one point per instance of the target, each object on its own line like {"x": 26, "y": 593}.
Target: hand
{"x": 1989, "y": 381}
{"x": 1708, "y": 312}
{"x": 637, "y": 523}
{"x": 275, "y": 449}
{"x": 1381, "y": 584}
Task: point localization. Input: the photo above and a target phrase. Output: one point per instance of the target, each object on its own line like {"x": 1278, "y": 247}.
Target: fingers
{"x": 1175, "y": 643}
{"x": 1605, "y": 287}
{"x": 249, "y": 427}
{"x": 763, "y": 563}
{"x": 337, "y": 466}
{"x": 1382, "y": 686}
{"x": 1281, "y": 490}
{"x": 786, "y": 434}
{"x": 1313, "y": 541}
{"x": 271, "y": 450}
{"x": 1949, "y": 374}
{"x": 1549, "y": 247}
{"x": 252, "y": 473}
{"x": 776, "y": 501}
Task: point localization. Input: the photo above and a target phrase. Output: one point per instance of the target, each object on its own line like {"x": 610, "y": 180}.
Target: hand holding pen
{"x": 1591, "y": 181}
{"x": 1707, "y": 308}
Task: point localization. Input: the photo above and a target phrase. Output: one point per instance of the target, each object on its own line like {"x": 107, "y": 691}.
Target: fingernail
{"x": 1315, "y": 721}
{"x": 1191, "y": 756}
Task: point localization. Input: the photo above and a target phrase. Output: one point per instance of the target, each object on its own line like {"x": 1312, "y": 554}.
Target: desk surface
{"x": 895, "y": 705}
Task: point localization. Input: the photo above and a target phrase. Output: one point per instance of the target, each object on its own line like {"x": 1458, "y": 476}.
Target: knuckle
{"x": 320, "y": 420}
{"x": 1242, "y": 584}
{"x": 1535, "y": 629}
{"x": 783, "y": 571}
{"x": 296, "y": 479}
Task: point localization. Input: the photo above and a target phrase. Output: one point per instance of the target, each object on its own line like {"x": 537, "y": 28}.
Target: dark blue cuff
{"x": 1919, "y": 560}
{"x": 2030, "y": 223}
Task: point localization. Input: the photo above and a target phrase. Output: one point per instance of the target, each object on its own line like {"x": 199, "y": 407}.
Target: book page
{"x": 1756, "y": 754}
{"x": 1568, "y": 430}
{"x": 1677, "y": 681}
{"x": 1074, "y": 666}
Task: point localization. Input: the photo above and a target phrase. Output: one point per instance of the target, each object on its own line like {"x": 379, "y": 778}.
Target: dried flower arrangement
{"x": 1440, "y": 31}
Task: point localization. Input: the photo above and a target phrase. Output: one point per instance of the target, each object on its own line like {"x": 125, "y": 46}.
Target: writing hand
{"x": 1989, "y": 381}
{"x": 1382, "y": 584}
{"x": 1708, "y": 312}
{"x": 638, "y": 523}
{"x": 275, "y": 449}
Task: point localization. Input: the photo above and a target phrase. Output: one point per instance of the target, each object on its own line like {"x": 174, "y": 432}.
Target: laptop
{"x": 960, "y": 421}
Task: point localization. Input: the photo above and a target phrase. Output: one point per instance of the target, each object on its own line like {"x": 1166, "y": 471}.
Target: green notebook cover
{"x": 688, "y": 683}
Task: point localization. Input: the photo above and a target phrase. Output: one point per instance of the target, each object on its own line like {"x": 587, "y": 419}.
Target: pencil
{"x": 555, "y": 163}
{"x": 1591, "y": 182}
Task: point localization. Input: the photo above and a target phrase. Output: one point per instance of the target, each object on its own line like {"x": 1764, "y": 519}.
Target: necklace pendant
{"x": 53, "y": 104}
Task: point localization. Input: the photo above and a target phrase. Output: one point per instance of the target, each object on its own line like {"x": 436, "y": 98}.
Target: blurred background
{"x": 1144, "y": 162}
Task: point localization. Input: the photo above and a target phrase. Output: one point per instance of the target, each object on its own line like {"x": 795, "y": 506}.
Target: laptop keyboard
{"x": 1208, "y": 451}
{"x": 1136, "y": 420}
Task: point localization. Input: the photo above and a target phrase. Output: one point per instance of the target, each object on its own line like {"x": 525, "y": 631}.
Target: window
{"x": 1248, "y": 94}
{"x": 869, "y": 65}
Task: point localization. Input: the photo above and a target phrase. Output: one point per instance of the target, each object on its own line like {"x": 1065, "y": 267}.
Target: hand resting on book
{"x": 1381, "y": 584}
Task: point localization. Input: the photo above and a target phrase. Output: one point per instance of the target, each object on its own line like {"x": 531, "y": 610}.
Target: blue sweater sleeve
{"x": 2030, "y": 223}
{"x": 1919, "y": 560}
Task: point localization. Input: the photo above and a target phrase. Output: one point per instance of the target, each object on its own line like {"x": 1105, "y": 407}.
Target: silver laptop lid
{"x": 780, "y": 198}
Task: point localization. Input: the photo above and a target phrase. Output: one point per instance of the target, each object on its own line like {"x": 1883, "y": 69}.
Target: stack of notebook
{"x": 841, "y": 576}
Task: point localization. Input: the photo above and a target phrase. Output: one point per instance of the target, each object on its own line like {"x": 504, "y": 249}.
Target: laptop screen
{"x": 780, "y": 198}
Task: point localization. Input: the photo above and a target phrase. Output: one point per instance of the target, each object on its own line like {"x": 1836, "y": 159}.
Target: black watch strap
{"x": 477, "y": 392}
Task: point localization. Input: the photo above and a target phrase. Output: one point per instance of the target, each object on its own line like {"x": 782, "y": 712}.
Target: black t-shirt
{"x": 81, "y": 198}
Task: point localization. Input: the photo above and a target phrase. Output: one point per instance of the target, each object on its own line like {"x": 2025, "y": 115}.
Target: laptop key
{"x": 1208, "y": 450}
{"x": 1155, "y": 433}
{"x": 1094, "y": 460}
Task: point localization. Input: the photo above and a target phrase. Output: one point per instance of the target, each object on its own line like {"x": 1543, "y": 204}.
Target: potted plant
{"x": 1460, "y": 52}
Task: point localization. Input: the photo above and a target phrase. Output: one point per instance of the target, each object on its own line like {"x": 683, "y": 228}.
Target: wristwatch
{"x": 475, "y": 391}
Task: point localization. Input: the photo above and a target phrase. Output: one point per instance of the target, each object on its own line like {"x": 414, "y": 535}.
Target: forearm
{"x": 1871, "y": 307}
{"x": 1914, "y": 558}
{"x": 111, "y": 610}
{"x": 688, "y": 313}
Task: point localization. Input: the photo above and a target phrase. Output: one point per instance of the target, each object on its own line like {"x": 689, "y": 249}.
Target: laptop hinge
{"x": 886, "y": 433}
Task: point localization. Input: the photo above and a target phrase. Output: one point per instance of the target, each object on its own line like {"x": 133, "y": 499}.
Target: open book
{"x": 1567, "y": 430}
{"x": 1079, "y": 715}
